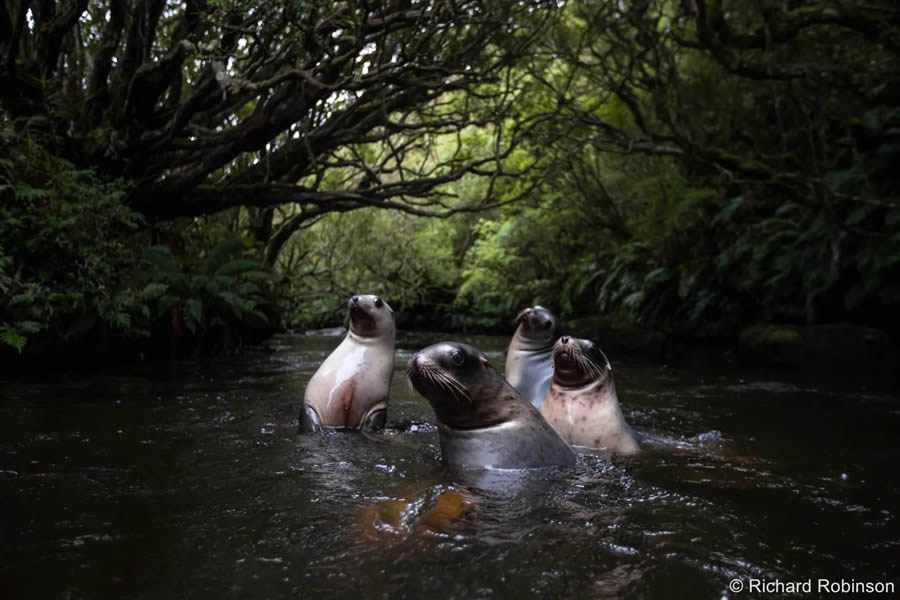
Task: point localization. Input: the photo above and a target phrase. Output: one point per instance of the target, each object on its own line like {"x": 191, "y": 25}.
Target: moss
{"x": 833, "y": 345}
{"x": 784, "y": 335}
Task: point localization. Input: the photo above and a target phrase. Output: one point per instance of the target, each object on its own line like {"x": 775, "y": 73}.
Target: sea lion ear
{"x": 605, "y": 359}
{"x": 520, "y": 316}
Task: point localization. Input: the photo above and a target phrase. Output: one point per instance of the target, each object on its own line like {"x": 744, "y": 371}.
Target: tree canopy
{"x": 692, "y": 165}
{"x": 212, "y": 104}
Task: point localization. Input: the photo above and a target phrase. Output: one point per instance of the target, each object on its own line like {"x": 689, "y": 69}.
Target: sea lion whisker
{"x": 587, "y": 366}
{"x": 595, "y": 370}
{"x": 455, "y": 385}
{"x": 440, "y": 380}
{"x": 554, "y": 354}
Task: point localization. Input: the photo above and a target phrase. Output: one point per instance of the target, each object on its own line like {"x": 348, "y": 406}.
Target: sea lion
{"x": 529, "y": 364}
{"x": 582, "y": 404}
{"x": 350, "y": 389}
{"x": 483, "y": 422}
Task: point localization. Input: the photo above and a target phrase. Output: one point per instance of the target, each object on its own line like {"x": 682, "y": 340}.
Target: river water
{"x": 190, "y": 481}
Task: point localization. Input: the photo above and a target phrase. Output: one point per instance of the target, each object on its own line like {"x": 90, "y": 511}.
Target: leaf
{"x": 686, "y": 285}
{"x": 860, "y": 214}
{"x": 154, "y": 290}
{"x": 161, "y": 258}
{"x": 726, "y": 213}
{"x": 13, "y": 337}
{"x": 193, "y": 313}
{"x": 239, "y": 266}
{"x": 261, "y": 316}
{"x": 657, "y": 276}
{"x": 165, "y": 304}
{"x": 220, "y": 253}
{"x": 634, "y": 299}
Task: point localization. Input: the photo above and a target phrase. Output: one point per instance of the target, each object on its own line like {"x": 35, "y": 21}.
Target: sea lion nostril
{"x": 564, "y": 339}
{"x": 355, "y": 299}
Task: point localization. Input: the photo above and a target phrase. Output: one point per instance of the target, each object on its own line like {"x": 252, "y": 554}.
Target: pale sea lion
{"x": 582, "y": 404}
{"x": 483, "y": 422}
{"x": 350, "y": 389}
{"x": 529, "y": 361}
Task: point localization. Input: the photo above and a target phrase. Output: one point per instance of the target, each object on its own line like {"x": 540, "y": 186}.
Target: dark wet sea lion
{"x": 350, "y": 389}
{"x": 529, "y": 361}
{"x": 582, "y": 404}
{"x": 482, "y": 421}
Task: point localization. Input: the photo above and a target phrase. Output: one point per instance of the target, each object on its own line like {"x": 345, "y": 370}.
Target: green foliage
{"x": 409, "y": 261}
{"x": 224, "y": 288}
{"x": 779, "y": 201}
{"x": 74, "y": 268}
{"x": 691, "y": 174}
{"x": 65, "y": 265}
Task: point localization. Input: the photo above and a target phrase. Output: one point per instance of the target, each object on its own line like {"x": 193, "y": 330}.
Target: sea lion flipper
{"x": 374, "y": 421}
{"x": 309, "y": 420}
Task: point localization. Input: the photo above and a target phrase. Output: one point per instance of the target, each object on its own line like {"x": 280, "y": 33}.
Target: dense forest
{"x": 181, "y": 178}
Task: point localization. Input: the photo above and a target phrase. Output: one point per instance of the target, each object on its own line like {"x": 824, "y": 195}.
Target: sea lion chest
{"x": 350, "y": 382}
{"x": 589, "y": 416}
{"x": 517, "y": 444}
{"x": 530, "y": 373}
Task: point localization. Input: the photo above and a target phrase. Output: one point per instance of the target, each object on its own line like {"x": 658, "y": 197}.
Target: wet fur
{"x": 582, "y": 405}
{"x": 482, "y": 421}
{"x": 529, "y": 364}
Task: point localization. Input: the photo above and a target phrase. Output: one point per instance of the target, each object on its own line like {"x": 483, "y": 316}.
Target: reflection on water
{"x": 190, "y": 481}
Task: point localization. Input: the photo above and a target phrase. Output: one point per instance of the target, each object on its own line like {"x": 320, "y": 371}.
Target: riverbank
{"x": 832, "y": 346}
{"x": 839, "y": 347}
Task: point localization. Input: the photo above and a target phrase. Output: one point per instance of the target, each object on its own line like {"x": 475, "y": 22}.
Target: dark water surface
{"x": 190, "y": 481}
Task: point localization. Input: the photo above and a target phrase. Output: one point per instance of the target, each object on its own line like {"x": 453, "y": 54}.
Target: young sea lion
{"x": 350, "y": 389}
{"x": 483, "y": 422}
{"x": 582, "y": 404}
{"x": 529, "y": 364}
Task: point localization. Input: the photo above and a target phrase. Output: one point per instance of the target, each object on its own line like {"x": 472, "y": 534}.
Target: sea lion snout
{"x": 564, "y": 348}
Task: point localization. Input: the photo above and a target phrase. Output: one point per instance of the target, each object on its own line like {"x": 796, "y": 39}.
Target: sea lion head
{"x": 538, "y": 327}
{"x": 462, "y": 386}
{"x": 578, "y": 362}
{"x": 369, "y": 317}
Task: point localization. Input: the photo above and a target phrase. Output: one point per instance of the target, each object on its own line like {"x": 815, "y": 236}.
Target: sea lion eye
{"x": 378, "y": 303}
{"x": 546, "y": 324}
{"x": 457, "y": 357}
